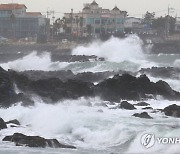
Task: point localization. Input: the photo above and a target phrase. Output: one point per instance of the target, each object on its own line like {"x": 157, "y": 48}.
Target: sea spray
{"x": 120, "y": 54}
{"x": 34, "y": 61}
{"x": 115, "y": 49}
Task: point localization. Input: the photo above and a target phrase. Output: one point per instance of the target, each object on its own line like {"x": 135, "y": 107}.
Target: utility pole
{"x": 71, "y": 16}
{"x": 47, "y": 13}
{"x": 53, "y": 17}
{"x": 168, "y": 21}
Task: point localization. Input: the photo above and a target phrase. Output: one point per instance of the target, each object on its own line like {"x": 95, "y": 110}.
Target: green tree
{"x": 149, "y": 17}
{"x": 57, "y": 25}
{"x": 160, "y": 24}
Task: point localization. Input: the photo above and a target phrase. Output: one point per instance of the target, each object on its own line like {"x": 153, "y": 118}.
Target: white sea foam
{"x": 120, "y": 54}
{"x": 82, "y": 122}
{"x": 119, "y": 51}
{"x": 79, "y": 123}
{"x": 34, "y": 61}
{"x": 115, "y": 49}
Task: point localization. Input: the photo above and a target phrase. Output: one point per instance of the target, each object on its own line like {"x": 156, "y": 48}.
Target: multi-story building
{"x": 177, "y": 24}
{"x": 133, "y": 25}
{"x": 94, "y": 20}
{"x": 15, "y": 22}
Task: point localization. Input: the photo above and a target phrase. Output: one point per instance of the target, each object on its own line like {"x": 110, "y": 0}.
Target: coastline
{"x": 15, "y": 50}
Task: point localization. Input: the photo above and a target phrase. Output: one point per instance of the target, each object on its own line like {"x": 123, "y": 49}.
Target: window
{"x": 90, "y": 20}
{"x": 119, "y": 21}
{"x": 97, "y": 21}
{"x": 97, "y": 30}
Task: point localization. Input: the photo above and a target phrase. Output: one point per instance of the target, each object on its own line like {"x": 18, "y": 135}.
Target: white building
{"x": 133, "y": 25}
{"x": 94, "y": 20}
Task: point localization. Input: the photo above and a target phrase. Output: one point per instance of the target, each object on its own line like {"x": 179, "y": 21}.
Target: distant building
{"x": 133, "y": 25}
{"x": 177, "y": 24}
{"x": 15, "y": 22}
{"x": 94, "y": 20}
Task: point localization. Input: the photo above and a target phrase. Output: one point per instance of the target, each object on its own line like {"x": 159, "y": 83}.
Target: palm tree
{"x": 64, "y": 24}
{"x": 57, "y": 25}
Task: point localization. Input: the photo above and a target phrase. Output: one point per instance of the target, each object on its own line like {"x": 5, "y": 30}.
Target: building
{"x": 177, "y": 24}
{"x": 15, "y": 22}
{"x": 94, "y": 20}
{"x": 133, "y": 25}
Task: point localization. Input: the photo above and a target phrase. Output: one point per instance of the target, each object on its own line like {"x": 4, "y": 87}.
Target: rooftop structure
{"x": 15, "y": 22}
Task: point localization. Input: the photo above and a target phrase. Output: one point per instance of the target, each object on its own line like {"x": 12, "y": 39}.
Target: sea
{"x": 92, "y": 128}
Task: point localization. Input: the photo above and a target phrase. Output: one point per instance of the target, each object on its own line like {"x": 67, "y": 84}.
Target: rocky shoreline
{"x": 62, "y": 52}
{"x": 61, "y": 85}
{"x": 118, "y": 90}
{"x": 51, "y": 88}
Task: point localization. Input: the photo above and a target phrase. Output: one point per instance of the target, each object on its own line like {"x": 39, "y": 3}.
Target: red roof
{"x": 12, "y": 6}
{"x": 34, "y": 13}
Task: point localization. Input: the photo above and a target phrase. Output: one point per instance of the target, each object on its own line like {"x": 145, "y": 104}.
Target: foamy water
{"x": 80, "y": 122}
{"x": 120, "y": 54}
{"x": 86, "y": 123}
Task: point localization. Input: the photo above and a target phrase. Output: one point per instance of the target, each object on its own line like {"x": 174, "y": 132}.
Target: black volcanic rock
{"x": 2, "y": 124}
{"x": 74, "y": 58}
{"x": 15, "y": 121}
{"x": 126, "y": 105}
{"x": 35, "y": 141}
{"x": 6, "y": 88}
{"x": 147, "y": 108}
{"x": 128, "y": 87}
{"x": 142, "y": 104}
{"x": 53, "y": 88}
{"x": 142, "y": 115}
{"x": 8, "y": 95}
{"x": 172, "y": 110}
{"x": 68, "y": 75}
{"x": 162, "y": 72}
{"x": 120, "y": 87}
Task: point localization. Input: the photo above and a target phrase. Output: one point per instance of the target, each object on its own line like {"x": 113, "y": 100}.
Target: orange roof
{"x": 12, "y": 6}
{"x": 34, "y": 13}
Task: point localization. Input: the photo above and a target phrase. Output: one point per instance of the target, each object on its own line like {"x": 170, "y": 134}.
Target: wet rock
{"x": 128, "y": 87}
{"x": 7, "y": 93}
{"x": 142, "y": 104}
{"x": 15, "y": 121}
{"x": 35, "y": 141}
{"x": 100, "y": 111}
{"x": 172, "y": 110}
{"x": 147, "y": 108}
{"x": 142, "y": 115}
{"x": 68, "y": 75}
{"x": 120, "y": 87}
{"x": 2, "y": 124}
{"x": 156, "y": 111}
{"x": 25, "y": 99}
{"x": 126, "y": 105}
{"x": 163, "y": 72}
{"x": 53, "y": 88}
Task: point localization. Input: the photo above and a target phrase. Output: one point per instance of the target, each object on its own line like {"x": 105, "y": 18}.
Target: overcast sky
{"x": 133, "y": 7}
